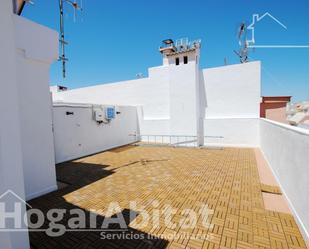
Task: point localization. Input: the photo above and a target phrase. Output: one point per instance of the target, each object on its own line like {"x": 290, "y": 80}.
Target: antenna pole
{"x": 243, "y": 53}
{"x": 62, "y": 41}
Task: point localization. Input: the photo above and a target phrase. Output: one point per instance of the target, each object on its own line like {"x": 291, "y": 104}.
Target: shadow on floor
{"x": 113, "y": 237}
{"x": 78, "y": 174}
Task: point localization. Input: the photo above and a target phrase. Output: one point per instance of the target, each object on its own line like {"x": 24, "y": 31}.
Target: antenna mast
{"x": 243, "y": 53}
{"x": 62, "y": 41}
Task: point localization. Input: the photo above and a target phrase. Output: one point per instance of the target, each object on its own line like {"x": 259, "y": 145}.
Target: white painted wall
{"x": 151, "y": 93}
{"x": 232, "y": 104}
{"x": 79, "y": 135}
{"x": 11, "y": 165}
{"x": 286, "y": 150}
{"x": 176, "y": 100}
{"x": 233, "y": 91}
{"x": 183, "y": 97}
{"x": 37, "y": 48}
{"x": 239, "y": 132}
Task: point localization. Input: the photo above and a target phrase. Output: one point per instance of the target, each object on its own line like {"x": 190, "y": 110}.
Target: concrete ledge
{"x": 287, "y": 127}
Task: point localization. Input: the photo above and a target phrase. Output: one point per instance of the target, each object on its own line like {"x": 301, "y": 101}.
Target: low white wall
{"x": 238, "y": 132}
{"x": 286, "y": 149}
{"x": 79, "y": 135}
{"x": 37, "y": 48}
{"x": 167, "y": 101}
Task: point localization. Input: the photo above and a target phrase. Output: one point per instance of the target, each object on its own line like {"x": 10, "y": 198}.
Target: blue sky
{"x": 115, "y": 40}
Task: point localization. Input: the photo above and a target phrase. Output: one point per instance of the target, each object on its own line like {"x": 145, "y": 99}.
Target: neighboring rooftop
{"x": 298, "y": 114}
{"x": 274, "y": 108}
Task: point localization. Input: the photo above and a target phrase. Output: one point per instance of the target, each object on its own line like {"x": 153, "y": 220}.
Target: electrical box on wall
{"x": 110, "y": 113}
{"x": 99, "y": 115}
{"x": 103, "y": 114}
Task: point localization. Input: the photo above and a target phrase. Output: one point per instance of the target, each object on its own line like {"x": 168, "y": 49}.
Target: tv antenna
{"x": 243, "y": 52}
{"x": 139, "y": 75}
{"x": 62, "y": 41}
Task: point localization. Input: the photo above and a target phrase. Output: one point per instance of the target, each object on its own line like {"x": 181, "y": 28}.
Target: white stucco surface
{"x": 79, "y": 135}
{"x": 11, "y": 158}
{"x": 37, "y": 48}
{"x": 183, "y": 95}
{"x": 233, "y": 91}
{"x": 232, "y": 104}
{"x": 179, "y": 100}
{"x": 239, "y": 132}
{"x": 151, "y": 93}
{"x": 286, "y": 150}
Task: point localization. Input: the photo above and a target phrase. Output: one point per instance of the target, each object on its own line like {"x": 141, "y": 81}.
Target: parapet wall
{"x": 77, "y": 134}
{"x": 286, "y": 150}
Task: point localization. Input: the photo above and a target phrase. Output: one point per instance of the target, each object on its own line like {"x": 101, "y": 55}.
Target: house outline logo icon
{"x": 16, "y": 196}
{"x": 256, "y": 18}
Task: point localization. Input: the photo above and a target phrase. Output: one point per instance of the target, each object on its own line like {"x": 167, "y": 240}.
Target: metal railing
{"x": 170, "y": 140}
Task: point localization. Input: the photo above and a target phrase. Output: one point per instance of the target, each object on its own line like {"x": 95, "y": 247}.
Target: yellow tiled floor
{"x": 226, "y": 180}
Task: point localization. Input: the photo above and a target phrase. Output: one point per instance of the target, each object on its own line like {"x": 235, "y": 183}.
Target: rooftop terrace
{"x": 227, "y": 180}
{"x": 192, "y": 197}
